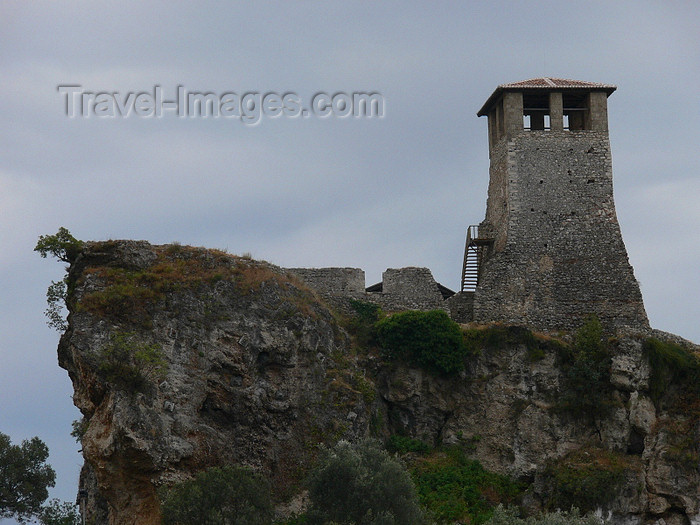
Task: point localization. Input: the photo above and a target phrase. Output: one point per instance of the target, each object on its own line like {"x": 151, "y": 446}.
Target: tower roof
{"x": 545, "y": 84}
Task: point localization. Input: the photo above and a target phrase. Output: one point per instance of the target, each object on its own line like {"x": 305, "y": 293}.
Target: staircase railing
{"x": 473, "y": 258}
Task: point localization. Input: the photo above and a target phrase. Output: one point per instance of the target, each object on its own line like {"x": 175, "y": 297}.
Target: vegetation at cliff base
{"x": 404, "y": 445}
{"x": 511, "y": 516}
{"x": 454, "y": 488}
{"x": 59, "y": 512}
{"x": 24, "y": 478}
{"x": 361, "y": 484}
{"x": 220, "y": 495}
{"x": 587, "y": 479}
{"x": 427, "y": 339}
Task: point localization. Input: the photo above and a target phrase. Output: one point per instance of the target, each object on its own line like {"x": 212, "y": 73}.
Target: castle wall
{"x": 408, "y": 289}
{"x": 563, "y": 257}
{"x": 339, "y": 282}
{"x": 402, "y": 289}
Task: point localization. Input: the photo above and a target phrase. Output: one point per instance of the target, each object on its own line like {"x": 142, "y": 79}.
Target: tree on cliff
{"x": 61, "y": 245}
{"x": 66, "y": 248}
{"x": 24, "y": 478}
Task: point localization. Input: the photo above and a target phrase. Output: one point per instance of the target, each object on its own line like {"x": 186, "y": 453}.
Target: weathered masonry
{"x": 400, "y": 289}
{"x": 549, "y": 252}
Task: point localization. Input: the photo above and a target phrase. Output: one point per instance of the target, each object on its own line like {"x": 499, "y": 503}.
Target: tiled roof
{"x": 545, "y": 83}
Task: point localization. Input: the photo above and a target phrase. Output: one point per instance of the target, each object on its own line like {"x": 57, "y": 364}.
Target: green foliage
{"x": 123, "y": 300}
{"x": 404, "y": 444}
{"x": 361, "y": 485}
{"x": 59, "y": 513}
{"x": 587, "y": 478}
{"x": 366, "y": 312}
{"x": 361, "y": 325}
{"x": 65, "y": 248}
{"x": 511, "y": 516}
{"x": 455, "y": 488}
{"x": 56, "y": 295}
{"x": 588, "y": 339}
{"x": 498, "y": 336}
{"x": 428, "y": 339}
{"x": 131, "y": 364}
{"x": 218, "y": 496}
{"x": 296, "y": 519}
{"x": 587, "y": 372}
{"x": 365, "y": 387}
{"x": 24, "y": 478}
{"x": 671, "y": 365}
{"x": 129, "y": 296}
{"x": 78, "y": 429}
{"x": 61, "y": 245}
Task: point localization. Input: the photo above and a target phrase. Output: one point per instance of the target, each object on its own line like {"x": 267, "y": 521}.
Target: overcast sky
{"x": 372, "y": 193}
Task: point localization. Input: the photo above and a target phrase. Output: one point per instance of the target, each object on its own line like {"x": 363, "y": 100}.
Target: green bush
{"x": 670, "y": 365}
{"x": 403, "y": 444}
{"x": 131, "y": 364}
{"x": 455, "y": 488}
{"x": 586, "y": 368}
{"x": 498, "y": 336}
{"x": 218, "y": 496}
{"x": 586, "y": 478}
{"x": 59, "y": 513}
{"x": 510, "y": 516}
{"x": 428, "y": 339}
{"x": 367, "y": 313}
{"x": 361, "y": 485}
{"x": 361, "y": 325}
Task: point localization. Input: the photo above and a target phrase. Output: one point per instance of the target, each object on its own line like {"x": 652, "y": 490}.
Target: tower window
{"x": 576, "y": 111}
{"x": 536, "y": 111}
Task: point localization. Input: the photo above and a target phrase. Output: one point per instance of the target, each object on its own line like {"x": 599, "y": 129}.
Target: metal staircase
{"x": 474, "y": 253}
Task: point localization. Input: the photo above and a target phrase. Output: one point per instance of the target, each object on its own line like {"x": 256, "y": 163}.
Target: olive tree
{"x": 24, "y": 478}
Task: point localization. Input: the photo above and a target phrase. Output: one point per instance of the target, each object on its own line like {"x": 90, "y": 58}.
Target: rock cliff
{"x": 183, "y": 358}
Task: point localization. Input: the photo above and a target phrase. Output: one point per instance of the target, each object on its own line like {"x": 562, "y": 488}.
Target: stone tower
{"x": 549, "y": 251}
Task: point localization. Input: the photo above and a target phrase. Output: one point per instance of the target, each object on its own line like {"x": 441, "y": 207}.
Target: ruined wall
{"x": 340, "y": 282}
{"x": 563, "y": 257}
{"x": 401, "y": 289}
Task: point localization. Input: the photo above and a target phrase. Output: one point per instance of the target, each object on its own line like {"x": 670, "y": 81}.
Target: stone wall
{"x": 333, "y": 282}
{"x": 401, "y": 289}
{"x": 461, "y": 306}
{"x": 559, "y": 255}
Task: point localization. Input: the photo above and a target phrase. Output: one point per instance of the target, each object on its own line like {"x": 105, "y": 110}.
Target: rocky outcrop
{"x": 183, "y": 358}
{"x": 506, "y": 408}
{"x": 248, "y": 371}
